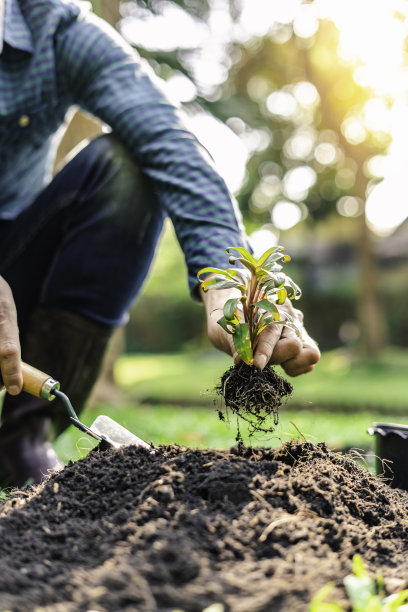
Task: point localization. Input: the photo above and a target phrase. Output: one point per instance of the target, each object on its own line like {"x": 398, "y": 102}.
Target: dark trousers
{"x": 86, "y": 243}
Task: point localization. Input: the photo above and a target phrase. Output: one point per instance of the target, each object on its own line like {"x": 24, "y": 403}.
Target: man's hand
{"x": 278, "y": 345}
{"x": 10, "y": 358}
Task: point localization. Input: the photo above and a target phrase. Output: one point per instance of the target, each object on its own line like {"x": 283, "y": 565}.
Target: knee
{"x": 109, "y": 154}
{"x": 127, "y": 195}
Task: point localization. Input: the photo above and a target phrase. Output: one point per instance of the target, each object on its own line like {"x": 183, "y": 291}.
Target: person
{"x": 75, "y": 248}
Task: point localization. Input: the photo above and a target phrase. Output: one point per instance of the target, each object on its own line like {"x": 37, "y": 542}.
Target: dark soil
{"x": 249, "y": 529}
{"x": 254, "y": 396}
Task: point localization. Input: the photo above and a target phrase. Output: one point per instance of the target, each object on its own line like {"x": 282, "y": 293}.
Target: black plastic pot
{"x": 391, "y": 452}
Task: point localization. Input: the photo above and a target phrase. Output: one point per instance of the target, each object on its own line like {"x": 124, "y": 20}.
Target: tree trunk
{"x": 369, "y": 311}
{"x": 369, "y": 308}
{"x": 109, "y": 10}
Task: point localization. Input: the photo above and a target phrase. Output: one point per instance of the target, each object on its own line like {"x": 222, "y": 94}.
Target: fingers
{"x": 279, "y": 345}
{"x": 10, "y": 358}
{"x": 214, "y": 303}
{"x": 305, "y": 360}
{"x": 273, "y": 348}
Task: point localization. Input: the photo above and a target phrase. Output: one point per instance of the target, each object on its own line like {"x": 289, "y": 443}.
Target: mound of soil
{"x": 253, "y": 396}
{"x": 252, "y": 530}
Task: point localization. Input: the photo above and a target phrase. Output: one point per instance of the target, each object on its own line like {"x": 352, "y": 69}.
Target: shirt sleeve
{"x": 106, "y": 77}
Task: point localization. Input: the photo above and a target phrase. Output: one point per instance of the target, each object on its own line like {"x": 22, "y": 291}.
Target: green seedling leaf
{"x": 264, "y": 324}
{"x": 242, "y": 343}
{"x": 244, "y": 253}
{"x": 212, "y": 271}
{"x": 279, "y": 278}
{"x": 282, "y": 294}
{"x": 227, "y": 326}
{"x": 359, "y": 586}
{"x": 360, "y": 591}
{"x": 358, "y": 567}
{"x": 288, "y": 323}
{"x": 217, "y": 271}
{"x": 275, "y": 252}
{"x": 230, "y": 307}
{"x": 244, "y": 262}
{"x": 269, "y": 307}
{"x": 240, "y": 275}
{"x": 236, "y": 272}
{"x": 396, "y": 602}
{"x": 276, "y": 279}
{"x": 219, "y": 283}
{"x": 319, "y": 605}
{"x": 269, "y": 288}
{"x": 273, "y": 259}
{"x": 294, "y": 291}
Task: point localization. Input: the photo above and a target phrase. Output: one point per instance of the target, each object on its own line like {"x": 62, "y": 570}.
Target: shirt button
{"x": 24, "y": 121}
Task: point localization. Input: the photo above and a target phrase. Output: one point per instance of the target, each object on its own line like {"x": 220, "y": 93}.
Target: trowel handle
{"x": 38, "y": 383}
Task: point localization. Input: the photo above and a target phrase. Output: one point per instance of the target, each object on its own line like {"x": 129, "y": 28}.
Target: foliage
{"x": 315, "y": 82}
{"x": 366, "y": 594}
{"x": 263, "y": 286}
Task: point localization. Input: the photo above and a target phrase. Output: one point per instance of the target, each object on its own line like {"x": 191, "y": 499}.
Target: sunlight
{"x": 377, "y": 44}
{"x": 162, "y": 31}
{"x": 225, "y": 147}
{"x": 384, "y": 209}
{"x": 372, "y": 39}
{"x": 286, "y": 214}
{"x": 298, "y": 181}
{"x": 374, "y": 42}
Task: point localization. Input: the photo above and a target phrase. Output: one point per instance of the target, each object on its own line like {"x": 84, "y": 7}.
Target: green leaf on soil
{"x": 319, "y": 605}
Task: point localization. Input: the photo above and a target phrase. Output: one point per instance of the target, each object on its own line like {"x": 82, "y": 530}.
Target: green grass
{"x": 169, "y": 399}
{"x": 201, "y": 428}
{"x": 339, "y": 380}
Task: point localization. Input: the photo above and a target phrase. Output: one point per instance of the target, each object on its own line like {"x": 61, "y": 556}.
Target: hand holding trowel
{"x": 104, "y": 429}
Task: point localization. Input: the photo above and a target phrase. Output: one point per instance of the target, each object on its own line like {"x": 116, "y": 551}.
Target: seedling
{"x": 263, "y": 287}
{"x": 365, "y": 594}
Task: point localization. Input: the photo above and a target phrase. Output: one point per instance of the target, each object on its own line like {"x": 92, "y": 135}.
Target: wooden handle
{"x": 38, "y": 383}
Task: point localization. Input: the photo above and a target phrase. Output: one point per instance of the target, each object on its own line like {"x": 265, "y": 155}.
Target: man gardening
{"x": 75, "y": 249}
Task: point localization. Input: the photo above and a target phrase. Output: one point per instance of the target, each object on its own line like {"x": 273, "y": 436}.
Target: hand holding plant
{"x": 263, "y": 287}
{"x": 253, "y": 294}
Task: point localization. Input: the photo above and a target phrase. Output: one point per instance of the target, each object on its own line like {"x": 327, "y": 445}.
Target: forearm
{"x": 107, "y": 79}
{"x": 10, "y": 359}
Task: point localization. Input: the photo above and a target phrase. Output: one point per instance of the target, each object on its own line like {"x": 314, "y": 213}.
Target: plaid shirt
{"x": 56, "y": 55}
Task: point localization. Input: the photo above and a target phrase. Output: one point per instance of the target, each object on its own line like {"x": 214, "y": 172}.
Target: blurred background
{"x": 304, "y": 108}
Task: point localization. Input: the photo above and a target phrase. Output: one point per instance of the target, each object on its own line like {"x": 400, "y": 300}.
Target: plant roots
{"x": 253, "y": 396}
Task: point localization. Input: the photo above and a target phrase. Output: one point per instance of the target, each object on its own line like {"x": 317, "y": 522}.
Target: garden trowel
{"x": 104, "y": 429}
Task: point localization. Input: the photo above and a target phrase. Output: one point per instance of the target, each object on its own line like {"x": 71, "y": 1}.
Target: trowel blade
{"x": 115, "y": 434}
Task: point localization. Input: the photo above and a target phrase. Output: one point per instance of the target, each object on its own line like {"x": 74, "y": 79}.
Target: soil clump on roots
{"x": 254, "y": 396}
{"x": 253, "y": 530}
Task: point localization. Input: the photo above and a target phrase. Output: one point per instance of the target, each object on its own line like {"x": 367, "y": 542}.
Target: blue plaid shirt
{"x": 57, "y": 54}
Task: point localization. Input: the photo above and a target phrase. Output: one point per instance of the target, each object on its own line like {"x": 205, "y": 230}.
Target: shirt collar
{"x": 1, "y": 24}
{"x": 15, "y": 29}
